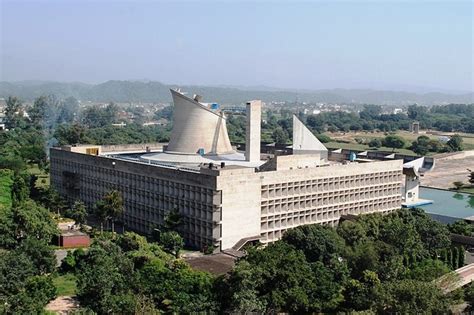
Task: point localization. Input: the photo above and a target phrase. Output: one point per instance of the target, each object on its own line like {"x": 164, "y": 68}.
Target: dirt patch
{"x": 216, "y": 264}
{"x": 63, "y": 305}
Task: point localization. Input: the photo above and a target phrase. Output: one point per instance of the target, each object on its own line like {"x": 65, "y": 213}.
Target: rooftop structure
{"x": 197, "y": 128}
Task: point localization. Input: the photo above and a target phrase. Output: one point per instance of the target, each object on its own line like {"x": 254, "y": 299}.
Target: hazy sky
{"x": 310, "y": 45}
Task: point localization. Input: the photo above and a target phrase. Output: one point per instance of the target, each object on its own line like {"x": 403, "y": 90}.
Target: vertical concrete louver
{"x": 252, "y": 132}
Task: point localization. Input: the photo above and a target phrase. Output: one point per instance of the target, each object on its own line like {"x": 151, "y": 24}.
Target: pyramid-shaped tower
{"x": 305, "y": 142}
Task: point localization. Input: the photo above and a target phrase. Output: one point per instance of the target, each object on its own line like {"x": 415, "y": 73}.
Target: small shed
{"x": 73, "y": 238}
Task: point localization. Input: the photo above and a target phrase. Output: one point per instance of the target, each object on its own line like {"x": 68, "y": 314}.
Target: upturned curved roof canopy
{"x": 196, "y": 126}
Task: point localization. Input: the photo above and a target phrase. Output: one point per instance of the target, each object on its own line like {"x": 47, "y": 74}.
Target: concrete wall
{"x": 84, "y": 149}
{"x": 321, "y": 195}
{"x": 412, "y": 188}
{"x": 289, "y": 162}
{"x": 240, "y": 203}
{"x": 139, "y": 147}
{"x": 149, "y": 192}
{"x": 72, "y": 241}
{"x": 252, "y": 131}
{"x": 305, "y": 142}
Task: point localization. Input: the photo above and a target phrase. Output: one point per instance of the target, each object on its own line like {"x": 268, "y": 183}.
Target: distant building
{"x": 397, "y": 111}
{"x": 415, "y": 127}
{"x": 226, "y": 197}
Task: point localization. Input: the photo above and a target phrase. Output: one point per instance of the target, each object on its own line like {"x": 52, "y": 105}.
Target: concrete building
{"x": 227, "y": 197}
{"x": 415, "y": 127}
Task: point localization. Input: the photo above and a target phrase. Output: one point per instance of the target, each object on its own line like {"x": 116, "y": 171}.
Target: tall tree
{"x": 13, "y": 112}
{"x": 110, "y": 207}
{"x": 280, "y": 136}
{"x": 77, "y": 212}
{"x": 394, "y": 142}
{"x": 455, "y": 143}
{"x": 410, "y": 297}
{"x": 38, "y": 111}
{"x": 172, "y": 242}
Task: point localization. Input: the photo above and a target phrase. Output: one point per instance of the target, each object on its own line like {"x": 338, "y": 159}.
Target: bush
{"x": 323, "y": 138}
{"x": 375, "y": 143}
{"x": 172, "y": 242}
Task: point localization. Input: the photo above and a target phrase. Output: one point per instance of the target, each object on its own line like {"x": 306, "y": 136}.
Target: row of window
{"x": 322, "y": 186}
{"x": 356, "y": 207}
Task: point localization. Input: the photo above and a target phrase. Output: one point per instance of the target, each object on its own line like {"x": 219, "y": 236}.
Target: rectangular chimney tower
{"x": 252, "y": 132}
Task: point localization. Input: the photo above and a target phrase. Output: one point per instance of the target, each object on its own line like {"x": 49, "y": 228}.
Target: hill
{"x": 152, "y": 91}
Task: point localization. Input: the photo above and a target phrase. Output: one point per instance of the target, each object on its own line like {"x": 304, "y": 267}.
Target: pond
{"x": 447, "y": 206}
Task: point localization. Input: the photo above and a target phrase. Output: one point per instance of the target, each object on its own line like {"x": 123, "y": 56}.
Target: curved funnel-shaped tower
{"x": 197, "y": 128}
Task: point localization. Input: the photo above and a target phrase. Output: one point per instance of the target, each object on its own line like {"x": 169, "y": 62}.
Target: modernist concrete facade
{"x": 221, "y": 206}
{"x": 224, "y": 204}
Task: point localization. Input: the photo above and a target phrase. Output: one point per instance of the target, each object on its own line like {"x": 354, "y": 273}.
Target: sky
{"x": 400, "y": 45}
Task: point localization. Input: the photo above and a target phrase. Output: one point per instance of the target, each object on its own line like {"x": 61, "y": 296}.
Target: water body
{"x": 448, "y": 206}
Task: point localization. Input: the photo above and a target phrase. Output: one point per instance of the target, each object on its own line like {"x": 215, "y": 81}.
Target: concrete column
{"x": 412, "y": 188}
{"x": 252, "y": 132}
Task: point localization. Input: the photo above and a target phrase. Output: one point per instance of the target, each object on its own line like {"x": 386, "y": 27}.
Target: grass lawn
{"x": 468, "y": 190}
{"x": 468, "y": 140}
{"x": 65, "y": 284}
{"x": 6, "y": 182}
{"x": 43, "y": 177}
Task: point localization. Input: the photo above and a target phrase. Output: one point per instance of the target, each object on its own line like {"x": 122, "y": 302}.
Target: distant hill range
{"x": 152, "y": 91}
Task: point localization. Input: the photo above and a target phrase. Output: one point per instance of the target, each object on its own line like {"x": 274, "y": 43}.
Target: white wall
{"x": 241, "y": 198}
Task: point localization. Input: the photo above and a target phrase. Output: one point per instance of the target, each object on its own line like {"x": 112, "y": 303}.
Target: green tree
{"x": 22, "y": 289}
{"x": 40, "y": 254}
{"x": 172, "y": 242}
{"x": 455, "y": 258}
{"x": 173, "y": 220}
{"x": 20, "y": 188}
{"x": 461, "y": 227}
{"x": 109, "y": 208}
{"x": 352, "y": 232}
{"x": 375, "y": 143}
{"x": 428, "y": 270}
{"x": 105, "y": 279}
{"x": 280, "y": 136}
{"x": 13, "y": 113}
{"x": 394, "y": 142}
{"x": 282, "y": 280}
{"x": 96, "y": 116}
{"x": 319, "y": 243}
{"x": 359, "y": 294}
{"x": 410, "y": 297}
{"x": 33, "y": 221}
{"x": 462, "y": 257}
{"x": 417, "y": 112}
{"x": 77, "y": 212}
{"x": 176, "y": 287}
{"x": 455, "y": 143}
{"x": 323, "y": 138}
{"x": 71, "y": 134}
{"x": 471, "y": 177}
{"x": 67, "y": 110}
{"x": 370, "y": 112}
{"x": 37, "y": 113}
{"x": 421, "y": 145}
